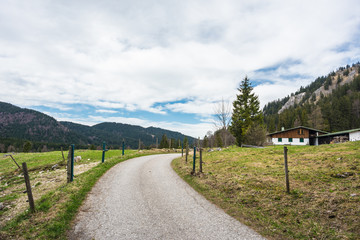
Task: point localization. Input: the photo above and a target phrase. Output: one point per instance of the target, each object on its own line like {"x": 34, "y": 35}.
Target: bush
{"x": 256, "y": 135}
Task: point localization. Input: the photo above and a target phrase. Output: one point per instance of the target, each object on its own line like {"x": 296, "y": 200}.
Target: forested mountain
{"x": 330, "y": 103}
{"x": 20, "y": 125}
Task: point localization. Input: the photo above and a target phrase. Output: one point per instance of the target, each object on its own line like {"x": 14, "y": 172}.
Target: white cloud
{"x": 135, "y": 55}
{"x": 105, "y": 111}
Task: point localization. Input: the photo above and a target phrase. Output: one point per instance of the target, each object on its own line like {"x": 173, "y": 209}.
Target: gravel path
{"x": 143, "y": 198}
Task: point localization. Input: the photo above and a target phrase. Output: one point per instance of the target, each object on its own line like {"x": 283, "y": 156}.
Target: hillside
{"x": 330, "y": 103}
{"x": 22, "y": 123}
{"x": 18, "y": 125}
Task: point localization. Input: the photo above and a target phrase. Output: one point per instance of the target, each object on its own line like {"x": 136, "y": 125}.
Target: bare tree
{"x": 222, "y": 119}
{"x": 222, "y": 113}
{"x": 210, "y": 136}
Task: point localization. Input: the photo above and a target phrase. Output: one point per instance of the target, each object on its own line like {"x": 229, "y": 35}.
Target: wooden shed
{"x": 338, "y": 137}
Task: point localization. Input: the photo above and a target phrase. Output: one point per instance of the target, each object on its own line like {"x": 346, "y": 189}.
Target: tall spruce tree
{"x": 246, "y": 111}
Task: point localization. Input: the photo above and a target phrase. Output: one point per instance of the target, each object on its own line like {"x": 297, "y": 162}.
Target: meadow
{"x": 249, "y": 184}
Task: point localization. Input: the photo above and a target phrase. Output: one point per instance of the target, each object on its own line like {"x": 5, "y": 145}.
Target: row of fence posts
{"x": 201, "y": 163}
{"x": 70, "y": 170}
{"x": 194, "y": 158}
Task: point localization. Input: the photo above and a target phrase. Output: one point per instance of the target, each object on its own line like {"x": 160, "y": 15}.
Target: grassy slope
{"x": 56, "y": 209}
{"x": 249, "y": 184}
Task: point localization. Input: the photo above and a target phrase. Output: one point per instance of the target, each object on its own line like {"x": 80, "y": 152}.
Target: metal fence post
{"x": 123, "y": 148}
{"x": 103, "y": 153}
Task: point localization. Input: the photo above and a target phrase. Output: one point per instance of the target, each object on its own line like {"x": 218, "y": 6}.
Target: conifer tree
{"x": 246, "y": 111}
{"x": 219, "y": 142}
{"x": 205, "y": 142}
{"x": 27, "y": 146}
{"x": 186, "y": 142}
{"x": 173, "y": 143}
{"x": 164, "y": 142}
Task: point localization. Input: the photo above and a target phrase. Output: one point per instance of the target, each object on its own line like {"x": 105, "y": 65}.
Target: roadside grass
{"x": 56, "y": 208}
{"x": 44, "y": 161}
{"x": 249, "y": 184}
{"x": 12, "y": 180}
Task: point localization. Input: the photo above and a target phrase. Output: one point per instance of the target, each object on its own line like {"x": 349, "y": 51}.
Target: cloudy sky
{"x": 166, "y": 63}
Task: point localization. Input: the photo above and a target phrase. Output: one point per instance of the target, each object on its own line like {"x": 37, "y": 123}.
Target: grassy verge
{"x": 249, "y": 184}
{"x": 56, "y": 209}
{"x": 43, "y": 176}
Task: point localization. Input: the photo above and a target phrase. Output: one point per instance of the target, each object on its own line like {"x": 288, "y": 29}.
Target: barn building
{"x": 296, "y": 136}
{"x": 338, "y": 137}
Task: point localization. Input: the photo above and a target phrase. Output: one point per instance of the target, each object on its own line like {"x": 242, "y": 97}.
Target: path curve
{"x": 143, "y": 198}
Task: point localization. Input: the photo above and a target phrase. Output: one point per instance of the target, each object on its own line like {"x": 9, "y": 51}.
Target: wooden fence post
{"x": 28, "y": 187}
{"x": 70, "y": 165}
{"x": 182, "y": 150}
{"x": 14, "y": 161}
{"x": 200, "y": 170}
{"x": 286, "y": 170}
{"x": 194, "y": 160}
{"x": 62, "y": 152}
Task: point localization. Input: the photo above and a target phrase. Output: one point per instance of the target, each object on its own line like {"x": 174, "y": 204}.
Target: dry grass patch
{"x": 42, "y": 182}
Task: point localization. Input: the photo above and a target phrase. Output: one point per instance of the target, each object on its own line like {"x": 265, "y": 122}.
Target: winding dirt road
{"x": 143, "y": 198}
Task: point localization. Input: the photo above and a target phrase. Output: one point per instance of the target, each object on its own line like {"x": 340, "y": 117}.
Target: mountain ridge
{"x": 23, "y": 124}
{"x": 346, "y": 75}
{"x": 330, "y": 103}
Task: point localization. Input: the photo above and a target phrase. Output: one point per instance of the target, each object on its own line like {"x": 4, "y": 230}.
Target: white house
{"x": 296, "y": 136}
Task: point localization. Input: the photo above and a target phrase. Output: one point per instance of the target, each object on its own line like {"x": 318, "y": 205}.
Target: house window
{"x": 301, "y": 140}
{"x": 290, "y": 139}
{"x": 279, "y": 139}
{"x": 301, "y": 131}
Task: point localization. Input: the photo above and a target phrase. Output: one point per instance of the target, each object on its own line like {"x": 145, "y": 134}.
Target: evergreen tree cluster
{"x": 172, "y": 143}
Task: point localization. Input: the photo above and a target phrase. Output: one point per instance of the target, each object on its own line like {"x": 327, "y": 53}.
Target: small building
{"x": 296, "y": 136}
{"x": 338, "y": 137}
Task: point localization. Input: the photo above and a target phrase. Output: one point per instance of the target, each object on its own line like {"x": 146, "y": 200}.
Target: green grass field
{"x": 249, "y": 184}
{"x": 48, "y": 159}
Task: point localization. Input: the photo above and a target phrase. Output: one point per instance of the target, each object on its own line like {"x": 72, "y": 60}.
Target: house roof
{"x": 312, "y": 129}
{"x": 339, "y": 133}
